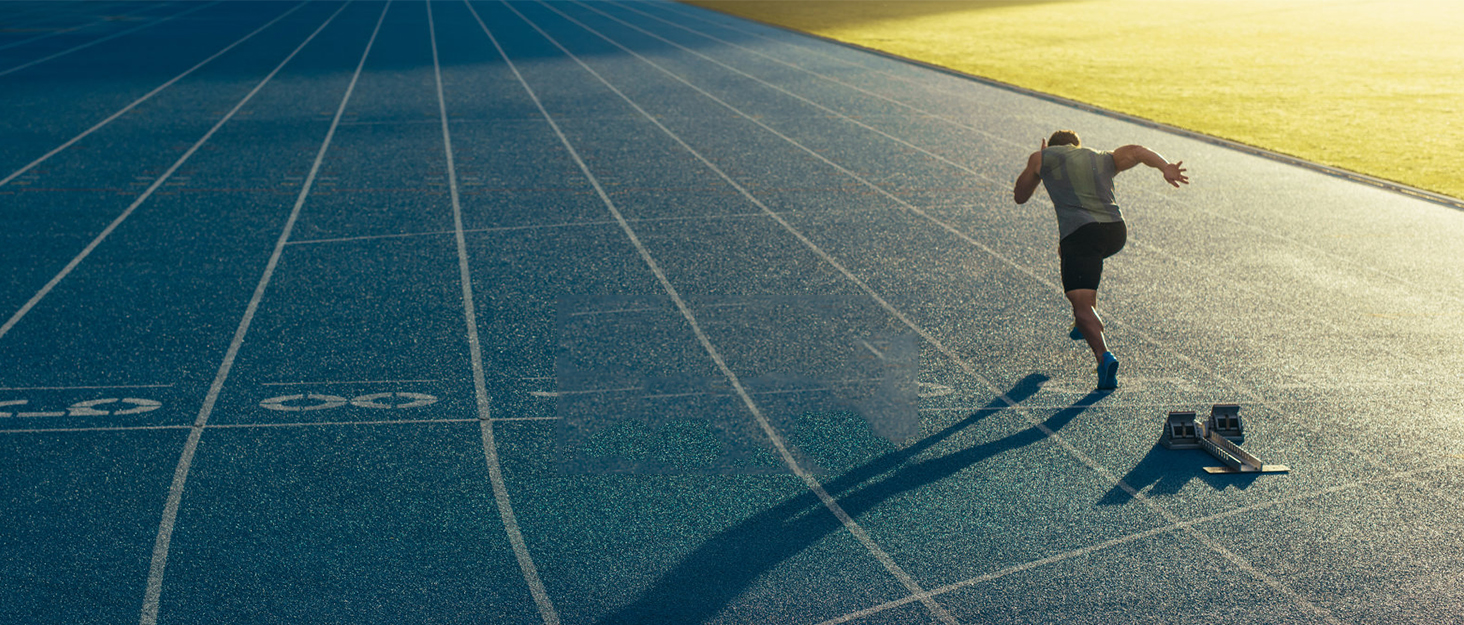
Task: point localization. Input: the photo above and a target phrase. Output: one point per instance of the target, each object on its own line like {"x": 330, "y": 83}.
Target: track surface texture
{"x": 628, "y": 312}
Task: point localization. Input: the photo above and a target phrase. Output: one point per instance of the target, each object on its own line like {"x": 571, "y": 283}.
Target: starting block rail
{"x": 1218, "y": 435}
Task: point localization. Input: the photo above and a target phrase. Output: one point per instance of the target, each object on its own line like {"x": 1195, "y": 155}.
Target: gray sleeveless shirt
{"x": 1080, "y": 183}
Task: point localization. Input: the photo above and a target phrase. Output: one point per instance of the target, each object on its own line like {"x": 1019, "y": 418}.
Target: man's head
{"x": 1065, "y": 137}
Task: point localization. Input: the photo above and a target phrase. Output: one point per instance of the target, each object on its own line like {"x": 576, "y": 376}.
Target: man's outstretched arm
{"x": 1128, "y": 156}
{"x": 1029, "y": 178}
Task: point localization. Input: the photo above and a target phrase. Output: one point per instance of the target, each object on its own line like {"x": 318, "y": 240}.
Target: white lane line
{"x": 955, "y": 358}
{"x": 27, "y": 20}
{"x": 1122, "y": 540}
{"x": 326, "y": 382}
{"x": 82, "y": 388}
{"x": 793, "y": 39}
{"x": 141, "y": 199}
{"x": 144, "y": 98}
{"x": 1266, "y": 232}
{"x": 475, "y": 349}
{"x": 95, "y": 22}
{"x": 149, "y": 614}
{"x": 575, "y": 224}
{"x": 96, "y": 429}
{"x": 773, "y": 435}
{"x": 963, "y": 168}
{"x": 241, "y": 426}
{"x": 106, "y": 39}
{"x": 1125, "y": 404}
{"x": 810, "y": 72}
{"x": 310, "y": 424}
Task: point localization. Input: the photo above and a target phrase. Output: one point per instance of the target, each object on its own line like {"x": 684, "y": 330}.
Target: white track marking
{"x": 105, "y": 39}
{"x": 577, "y": 224}
{"x": 106, "y": 232}
{"x": 149, "y": 615}
{"x": 245, "y": 426}
{"x": 94, "y": 22}
{"x": 955, "y": 358}
{"x": 77, "y": 10}
{"x": 123, "y": 111}
{"x": 326, "y": 382}
{"x": 309, "y": 424}
{"x": 82, "y": 388}
{"x": 773, "y": 435}
{"x": 1107, "y": 544}
{"x": 96, "y": 429}
{"x": 797, "y": 67}
{"x": 475, "y": 349}
{"x": 964, "y": 126}
{"x": 692, "y": 13}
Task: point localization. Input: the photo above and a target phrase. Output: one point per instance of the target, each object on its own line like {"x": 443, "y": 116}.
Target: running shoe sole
{"x": 1108, "y": 375}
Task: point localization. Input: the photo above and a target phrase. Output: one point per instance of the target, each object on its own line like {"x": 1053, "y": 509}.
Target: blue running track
{"x": 633, "y": 313}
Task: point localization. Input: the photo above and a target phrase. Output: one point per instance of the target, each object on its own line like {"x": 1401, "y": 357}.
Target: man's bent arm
{"x": 1128, "y": 156}
{"x": 1029, "y": 178}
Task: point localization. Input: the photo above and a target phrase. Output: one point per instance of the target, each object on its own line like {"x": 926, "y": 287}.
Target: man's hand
{"x": 1030, "y": 177}
{"x": 1174, "y": 174}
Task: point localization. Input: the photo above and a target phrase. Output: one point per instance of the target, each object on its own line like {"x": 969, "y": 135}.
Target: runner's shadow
{"x": 709, "y": 578}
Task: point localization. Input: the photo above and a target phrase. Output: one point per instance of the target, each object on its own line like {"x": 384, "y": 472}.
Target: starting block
{"x": 1218, "y": 435}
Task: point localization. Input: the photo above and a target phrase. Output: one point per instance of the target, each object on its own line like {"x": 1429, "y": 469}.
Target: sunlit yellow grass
{"x": 1374, "y": 86}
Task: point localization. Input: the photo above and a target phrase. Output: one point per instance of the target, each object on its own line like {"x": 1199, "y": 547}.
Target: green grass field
{"x": 1371, "y": 86}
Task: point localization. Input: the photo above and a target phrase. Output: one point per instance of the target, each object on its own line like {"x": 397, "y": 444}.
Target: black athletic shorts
{"x": 1083, "y": 252}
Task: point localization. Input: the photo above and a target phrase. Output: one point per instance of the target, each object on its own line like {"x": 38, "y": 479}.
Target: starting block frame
{"x": 1219, "y": 436}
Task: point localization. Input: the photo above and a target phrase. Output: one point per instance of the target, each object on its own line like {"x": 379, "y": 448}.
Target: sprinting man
{"x": 1080, "y": 182}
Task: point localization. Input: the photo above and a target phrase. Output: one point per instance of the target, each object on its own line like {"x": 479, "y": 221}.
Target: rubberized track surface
{"x": 634, "y": 313}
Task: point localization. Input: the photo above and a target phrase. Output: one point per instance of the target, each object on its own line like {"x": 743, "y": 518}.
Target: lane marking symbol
{"x": 88, "y": 408}
{"x": 415, "y": 400}
{"x": 281, "y": 403}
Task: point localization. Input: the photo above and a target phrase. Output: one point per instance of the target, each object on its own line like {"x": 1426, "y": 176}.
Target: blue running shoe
{"x": 1108, "y": 372}
{"x": 1075, "y": 334}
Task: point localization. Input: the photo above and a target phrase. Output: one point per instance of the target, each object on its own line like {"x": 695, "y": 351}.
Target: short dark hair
{"x": 1065, "y": 137}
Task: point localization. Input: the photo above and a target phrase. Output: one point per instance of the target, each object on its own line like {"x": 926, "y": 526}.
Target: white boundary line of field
{"x": 106, "y": 232}
{"x": 149, "y": 614}
{"x": 773, "y": 435}
{"x": 123, "y": 111}
{"x": 475, "y": 349}
{"x": 107, "y": 38}
{"x": 1071, "y": 449}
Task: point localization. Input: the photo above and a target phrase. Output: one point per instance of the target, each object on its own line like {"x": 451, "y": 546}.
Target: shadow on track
{"x": 1168, "y": 471}
{"x": 707, "y": 580}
